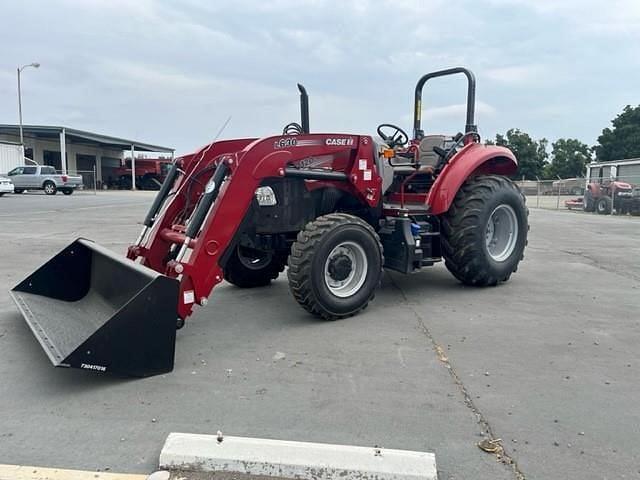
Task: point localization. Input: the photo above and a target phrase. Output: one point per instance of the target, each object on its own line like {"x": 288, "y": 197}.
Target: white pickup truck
{"x": 43, "y": 177}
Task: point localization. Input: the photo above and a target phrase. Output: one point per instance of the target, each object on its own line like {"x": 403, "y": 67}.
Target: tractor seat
{"x": 426, "y": 156}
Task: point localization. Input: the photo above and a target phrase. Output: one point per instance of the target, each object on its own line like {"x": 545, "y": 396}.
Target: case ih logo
{"x": 339, "y": 142}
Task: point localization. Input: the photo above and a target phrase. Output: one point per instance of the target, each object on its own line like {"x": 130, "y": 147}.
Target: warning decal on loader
{"x": 189, "y": 297}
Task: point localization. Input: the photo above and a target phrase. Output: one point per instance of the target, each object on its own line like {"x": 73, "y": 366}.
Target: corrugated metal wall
{"x": 11, "y": 155}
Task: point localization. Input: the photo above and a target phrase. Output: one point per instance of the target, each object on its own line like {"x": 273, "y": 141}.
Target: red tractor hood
{"x": 622, "y": 185}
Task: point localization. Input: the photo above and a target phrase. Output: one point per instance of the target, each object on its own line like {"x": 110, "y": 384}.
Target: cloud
{"x": 521, "y": 75}
{"x": 458, "y": 111}
{"x": 170, "y": 72}
{"x": 618, "y": 17}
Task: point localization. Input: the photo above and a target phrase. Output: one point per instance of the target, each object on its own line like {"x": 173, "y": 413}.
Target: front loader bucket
{"x": 90, "y": 308}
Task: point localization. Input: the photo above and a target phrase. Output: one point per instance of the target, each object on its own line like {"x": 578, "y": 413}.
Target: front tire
{"x": 335, "y": 266}
{"x": 18, "y": 191}
{"x": 484, "y": 233}
{"x": 67, "y": 191}
{"x": 49, "y": 188}
{"x": 248, "y": 268}
{"x": 604, "y": 205}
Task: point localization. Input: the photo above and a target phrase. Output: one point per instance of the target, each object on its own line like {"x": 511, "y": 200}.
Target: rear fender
{"x": 474, "y": 159}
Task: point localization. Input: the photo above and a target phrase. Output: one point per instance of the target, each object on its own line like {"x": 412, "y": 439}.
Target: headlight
{"x": 266, "y": 197}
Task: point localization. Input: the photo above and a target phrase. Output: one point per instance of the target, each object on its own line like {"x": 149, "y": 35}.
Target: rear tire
{"x": 335, "y": 266}
{"x": 484, "y": 233}
{"x": 247, "y": 268}
{"x": 49, "y": 188}
{"x": 603, "y": 205}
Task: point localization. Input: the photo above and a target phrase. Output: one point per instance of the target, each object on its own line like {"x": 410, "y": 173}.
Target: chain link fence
{"x": 89, "y": 183}
{"x": 619, "y": 196}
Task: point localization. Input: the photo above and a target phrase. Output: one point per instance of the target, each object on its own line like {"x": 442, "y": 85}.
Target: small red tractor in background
{"x": 604, "y": 197}
{"x": 335, "y": 208}
{"x": 608, "y": 190}
{"x": 150, "y": 173}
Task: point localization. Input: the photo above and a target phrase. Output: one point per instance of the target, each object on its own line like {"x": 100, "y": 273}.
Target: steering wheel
{"x": 397, "y": 138}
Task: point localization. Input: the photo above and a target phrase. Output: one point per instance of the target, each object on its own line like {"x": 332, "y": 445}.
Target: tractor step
{"x": 429, "y": 261}
{"x": 409, "y": 246}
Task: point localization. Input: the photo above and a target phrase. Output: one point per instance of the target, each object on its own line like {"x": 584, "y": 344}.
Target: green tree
{"x": 623, "y": 140}
{"x": 568, "y": 159}
{"x": 531, "y": 154}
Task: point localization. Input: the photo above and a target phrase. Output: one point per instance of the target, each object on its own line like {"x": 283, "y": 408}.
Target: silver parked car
{"x": 43, "y": 177}
{"x": 6, "y": 186}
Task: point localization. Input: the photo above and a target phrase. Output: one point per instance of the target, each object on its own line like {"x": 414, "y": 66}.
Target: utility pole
{"x": 133, "y": 167}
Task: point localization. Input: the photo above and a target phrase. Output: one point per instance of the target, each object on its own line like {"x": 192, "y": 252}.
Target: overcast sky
{"x": 170, "y": 72}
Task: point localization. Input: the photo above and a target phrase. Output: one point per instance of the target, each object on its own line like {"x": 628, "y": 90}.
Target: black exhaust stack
{"x": 304, "y": 109}
{"x": 92, "y": 309}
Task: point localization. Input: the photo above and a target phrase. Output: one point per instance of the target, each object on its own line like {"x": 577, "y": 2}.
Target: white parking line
{"x": 22, "y": 472}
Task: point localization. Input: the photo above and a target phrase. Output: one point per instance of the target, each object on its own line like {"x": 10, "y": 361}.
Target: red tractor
{"x": 605, "y": 192}
{"x": 335, "y": 208}
{"x": 150, "y": 173}
{"x": 603, "y": 197}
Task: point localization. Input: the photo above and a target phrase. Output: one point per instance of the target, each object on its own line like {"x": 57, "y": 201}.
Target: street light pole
{"x": 20, "y": 109}
{"x": 34, "y": 65}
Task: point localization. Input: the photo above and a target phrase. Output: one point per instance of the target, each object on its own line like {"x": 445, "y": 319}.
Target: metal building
{"x": 71, "y": 150}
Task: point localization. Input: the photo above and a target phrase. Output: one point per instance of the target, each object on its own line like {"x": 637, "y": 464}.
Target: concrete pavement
{"x": 549, "y": 361}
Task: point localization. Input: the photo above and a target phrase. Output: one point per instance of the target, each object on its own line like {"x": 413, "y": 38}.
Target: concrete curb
{"x": 299, "y": 460}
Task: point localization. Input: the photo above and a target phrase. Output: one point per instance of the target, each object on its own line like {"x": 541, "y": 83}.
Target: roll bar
{"x": 471, "y": 99}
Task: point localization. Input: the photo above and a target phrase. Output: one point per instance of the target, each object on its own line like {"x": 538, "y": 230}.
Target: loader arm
{"x": 179, "y": 201}
{"x": 214, "y": 189}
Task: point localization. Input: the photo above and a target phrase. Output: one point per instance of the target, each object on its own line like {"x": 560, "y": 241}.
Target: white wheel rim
{"x": 345, "y": 269}
{"x": 502, "y": 233}
{"x": 48, "y": 188}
